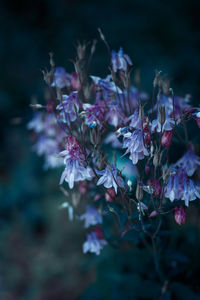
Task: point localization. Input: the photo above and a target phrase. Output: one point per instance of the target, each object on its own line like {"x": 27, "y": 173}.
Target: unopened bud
{"x": 139, "y": 192}
{"x": 153, "y": 214}
{"x": 180, "y": 215}
{"x": 167, "y": 138}
{"x": 156, "y": 159}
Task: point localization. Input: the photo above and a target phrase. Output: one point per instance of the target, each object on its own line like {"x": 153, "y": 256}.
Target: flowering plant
{"x": 114, "y": 143}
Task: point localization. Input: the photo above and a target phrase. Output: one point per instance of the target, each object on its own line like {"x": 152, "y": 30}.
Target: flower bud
{"x": 110, "y": 195}
{"x": 180, "y": 215}
{"x": 167, "y": 138}
{"x": 156, "y": 159}
{"x": 153, "y": 214}
{"x": 139, "y": 192}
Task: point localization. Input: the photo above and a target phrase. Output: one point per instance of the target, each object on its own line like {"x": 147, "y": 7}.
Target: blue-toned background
{"x": 40, "y": 250}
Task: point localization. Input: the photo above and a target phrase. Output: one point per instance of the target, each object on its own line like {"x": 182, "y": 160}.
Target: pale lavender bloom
{"x": 167, "y": 125}
{"x": 91, "y": 216}
{"x": 93, "y": 244}
{"x": 107, "y": 85}
{"x": 49, "y": 147}
{"x": 132, "y": 98}
{"x": 110, "y": 178}
{"x": 61, "y": 78}
{"x": 114, "y": 115}
{"x": 134, "y": 142}
{"x": 69, "y": 107}
{"x": 75, "y": 171}
{"x": 74, "y": 159}
{"x": 179, "y": 105}
{"x": 135, "y": 120}
{"x": 190, "y": 191}
{"x": 94, "y": 114}
{"x": 43, "y": 122}
{"x": 120, "y": 61}
{"x": 189, "y": 162}
{"x": 174, "y": 187}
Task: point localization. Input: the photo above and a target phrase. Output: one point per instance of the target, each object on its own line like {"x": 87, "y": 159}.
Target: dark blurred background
{"x": 40, "y": 250}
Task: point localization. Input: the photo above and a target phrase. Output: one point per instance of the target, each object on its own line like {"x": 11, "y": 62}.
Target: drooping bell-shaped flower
{"x": 120, "y": 60}
{"x": 189, "y": 162}
{"x": 110, "y": 178}
{"x": 91, "y": 216}
{"x": 93, "y": 244}
{"x": 74, "y": 159}
{"x": 190, "y": 191}
{"x": 134, "y": 142}
{"x": 61, "y": 78}
{"x": 69, "y": 107}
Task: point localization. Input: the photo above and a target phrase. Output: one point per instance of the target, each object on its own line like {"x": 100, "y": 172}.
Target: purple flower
{"x": 167, "y": 125}
{"x": 174, "y": 185}
{"x": 110, "y": 178}
{"x": 91, "y": 216}
{"x": 190, "y": 191}
{"x": 120, "y": 61}
{"x": 94, "y": 114}
{"x": 189, "y": 162}
{"x": 69, "y": 107}
{"x": 43, "y": 122}
{"x": 61, "y": 78}
{"x": 134, "y": 142}
{"x": 107, "y": 86}
{"x": 74, "y": 159}
{"x": 93, "y": 244}
{"x": 135, "y": 120}
{"x": 114, "y": 115}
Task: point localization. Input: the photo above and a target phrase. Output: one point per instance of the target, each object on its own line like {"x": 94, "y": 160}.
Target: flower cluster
{"x": 89, "y": 125}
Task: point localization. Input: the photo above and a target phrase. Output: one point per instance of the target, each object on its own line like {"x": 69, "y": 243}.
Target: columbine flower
{"x": 120, "y": 61}
{"x": 61, "y": 78}
{"x": 91, "y": 216}
{"x": 134, "y": 142}
{"x": 42, "y": 122}
{"x": 180, "y": 215}
{"x": 110, "y": 178}
{"x": 174, "y": 185}
{"x": 107, "y": 86}
{"x": 114, "y": 115}
{"x": 135, "y": 120}
{"x": 93, "y": 244}
{"x": 94, "y": 114}
{"x": 189, "y": 162}
{"x": 190, "y": 191}
{"x": 75, "y": 170}
{"x": 167, "y": 125}
{"x": 69, "y": 107}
